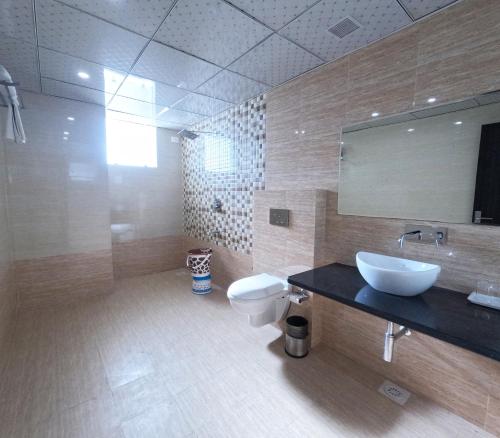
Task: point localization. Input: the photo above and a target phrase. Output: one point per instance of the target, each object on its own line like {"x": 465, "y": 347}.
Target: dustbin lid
{"x": 256, "y": 287}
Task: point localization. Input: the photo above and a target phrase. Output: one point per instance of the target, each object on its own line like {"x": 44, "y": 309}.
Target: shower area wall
{"x": 222, "y": 168}
{"x": 7, "y": 296}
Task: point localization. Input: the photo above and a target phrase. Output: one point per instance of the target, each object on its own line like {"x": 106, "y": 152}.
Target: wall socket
{"x": 280, "y": 217}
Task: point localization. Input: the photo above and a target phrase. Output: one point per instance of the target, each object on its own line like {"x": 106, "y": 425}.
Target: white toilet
{"x": 264, "y": 298}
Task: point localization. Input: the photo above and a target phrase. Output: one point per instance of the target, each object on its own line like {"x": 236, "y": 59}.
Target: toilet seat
{"x": 263, "y": 298}
{"x": 256, "y": 287}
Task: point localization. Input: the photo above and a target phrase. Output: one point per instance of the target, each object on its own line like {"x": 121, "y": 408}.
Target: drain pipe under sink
{"x": 391, "y": 338}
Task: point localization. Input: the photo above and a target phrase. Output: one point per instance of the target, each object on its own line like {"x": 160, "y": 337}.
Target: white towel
{"x": 14, "y": 128}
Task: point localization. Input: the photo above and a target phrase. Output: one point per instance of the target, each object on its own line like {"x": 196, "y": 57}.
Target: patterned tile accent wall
{"x": 225, "y": 162}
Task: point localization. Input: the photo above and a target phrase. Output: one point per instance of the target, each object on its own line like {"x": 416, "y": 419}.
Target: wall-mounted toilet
{"x": 264, "y": 298}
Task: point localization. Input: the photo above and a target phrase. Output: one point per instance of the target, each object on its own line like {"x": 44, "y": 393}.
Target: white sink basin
{"x": 396, "y": 276}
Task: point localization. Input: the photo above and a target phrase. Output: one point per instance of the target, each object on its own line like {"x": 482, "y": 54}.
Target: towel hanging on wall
{"x": 14, "y": 128}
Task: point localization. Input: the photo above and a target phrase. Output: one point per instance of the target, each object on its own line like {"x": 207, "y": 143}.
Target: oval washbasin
{"x": 396, "y": 276}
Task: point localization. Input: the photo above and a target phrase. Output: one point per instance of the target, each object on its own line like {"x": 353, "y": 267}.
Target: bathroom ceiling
{"x": 175, "y": 62}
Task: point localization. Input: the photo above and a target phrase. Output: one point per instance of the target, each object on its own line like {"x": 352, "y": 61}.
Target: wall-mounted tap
{"x": 439, "y": 238}
{"x": 403, "y": 236}
{"x": 426, "y": 234}
{"x": 217, "y": 205}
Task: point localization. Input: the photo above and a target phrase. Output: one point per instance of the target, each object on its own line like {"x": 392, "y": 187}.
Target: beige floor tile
{"x": 154, "y": 360}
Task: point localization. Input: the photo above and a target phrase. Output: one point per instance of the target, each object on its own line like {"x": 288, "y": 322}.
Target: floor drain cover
{"x": 394, "y": 392}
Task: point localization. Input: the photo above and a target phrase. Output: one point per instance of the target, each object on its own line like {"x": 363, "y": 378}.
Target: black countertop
{"x": 438, "y": 312}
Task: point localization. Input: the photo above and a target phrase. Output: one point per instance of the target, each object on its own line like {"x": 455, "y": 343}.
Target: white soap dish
{"x": 484, "y": 300}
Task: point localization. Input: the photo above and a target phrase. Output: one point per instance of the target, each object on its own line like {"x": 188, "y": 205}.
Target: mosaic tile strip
{"x": 226, "y": 163}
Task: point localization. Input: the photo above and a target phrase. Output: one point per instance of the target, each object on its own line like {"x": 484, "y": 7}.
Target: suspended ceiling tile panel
{"x": 141, "y": 16}
{"x": 179, "y": 118}
{"x": 199, "y": 104}
{"x": 141, "y": 120}
{"x": 274, "y": 13}
{"x": 147, "y": 90}
{"x": 275, "y": 61}
{"x": 377, "y": 19}
{"x": 76, "y": 33}
{"x": 20, "y": 59}
{"x": 133, "y": 106}
{"x": 164, "y": 64}
{"x": 421, "y": 8}
{"x": 211, "y": 30}
{"x": 74, "y": 92}
{"x": 232, "y": 87}
{"x": 16, "y": 19}
{"x": 55, "y": 65}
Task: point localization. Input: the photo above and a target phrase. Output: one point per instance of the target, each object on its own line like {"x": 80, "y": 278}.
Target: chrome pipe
{"x": 391, "y": 337}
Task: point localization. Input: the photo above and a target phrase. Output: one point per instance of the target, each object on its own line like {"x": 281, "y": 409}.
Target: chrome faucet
{"x": 439, "y": 238}
{"x": 403, "y": 237}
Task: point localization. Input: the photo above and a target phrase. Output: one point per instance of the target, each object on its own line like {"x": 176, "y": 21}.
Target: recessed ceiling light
{"x": 411, "y": 129}
{"x": 83, "y": 75}
{"x": 296, "y": 132}
{"x": 70, "y": 118}
{"x": 431, "y": 100}
{"x": 66, "y": 132}
{"x": 375, "y": 114}
{"x": 65, "y": 138}
{"x": 458, "y": 122}
{"x": 302, "y": 132}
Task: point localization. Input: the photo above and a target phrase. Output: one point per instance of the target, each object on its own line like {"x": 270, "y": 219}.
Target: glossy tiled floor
{"x": 152, "y": 360}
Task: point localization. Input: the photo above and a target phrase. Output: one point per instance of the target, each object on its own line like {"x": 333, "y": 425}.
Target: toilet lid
{"x": 255, "y": 287}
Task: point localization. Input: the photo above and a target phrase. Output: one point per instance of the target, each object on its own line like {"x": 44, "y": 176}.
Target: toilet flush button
{"x": 278, "y": 216}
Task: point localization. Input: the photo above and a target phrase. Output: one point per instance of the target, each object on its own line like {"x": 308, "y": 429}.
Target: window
{"x": 219, "y": 154}
{"x": 129, "y": 143}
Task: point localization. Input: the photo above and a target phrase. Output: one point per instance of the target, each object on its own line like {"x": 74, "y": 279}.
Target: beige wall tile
{"x": 459, "y": 52}
{"x": 382, "y": 77}
{"x": 56, "y": 280}
{"x": 7, "y": 295}
{"x": 147, "y": 256}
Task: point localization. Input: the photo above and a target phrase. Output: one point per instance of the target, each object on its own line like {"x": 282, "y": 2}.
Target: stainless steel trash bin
{"x": 297, "y": 336}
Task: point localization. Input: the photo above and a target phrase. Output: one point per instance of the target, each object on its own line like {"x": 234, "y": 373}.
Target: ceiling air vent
{"x": 344, "y": 27}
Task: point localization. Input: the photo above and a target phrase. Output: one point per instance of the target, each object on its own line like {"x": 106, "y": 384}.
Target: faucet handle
{"x": 439, "y": 238}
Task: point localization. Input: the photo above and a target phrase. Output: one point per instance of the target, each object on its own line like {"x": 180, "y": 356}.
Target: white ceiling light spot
{"x": 83, "y": 75}
{"x": 71, "y": 118}
{"x": 375, "y": 114}
{"x": 431, "y": 100}
{"x": 411, "y": 129}
{"x": 66, "y": 132}
{"x": 458, "y": 122}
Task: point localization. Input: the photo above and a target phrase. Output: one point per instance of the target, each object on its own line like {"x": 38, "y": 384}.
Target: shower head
{"x": 190, "y": 135}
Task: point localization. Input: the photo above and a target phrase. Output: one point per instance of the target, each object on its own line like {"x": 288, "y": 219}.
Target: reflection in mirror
{"x": 438, "y": 164}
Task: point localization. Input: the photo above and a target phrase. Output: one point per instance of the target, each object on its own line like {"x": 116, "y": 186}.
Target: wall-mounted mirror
{"x": 438, "y": 164}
